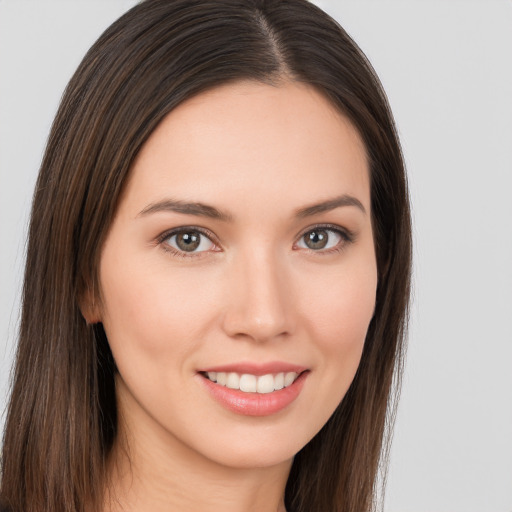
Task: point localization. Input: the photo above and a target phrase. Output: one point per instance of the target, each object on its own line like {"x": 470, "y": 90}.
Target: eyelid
{"x": 184, "y": 229}
{"x": 334, "y": 227}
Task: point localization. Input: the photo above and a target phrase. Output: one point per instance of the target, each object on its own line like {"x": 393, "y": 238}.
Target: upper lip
{"x": 251, "y": 368}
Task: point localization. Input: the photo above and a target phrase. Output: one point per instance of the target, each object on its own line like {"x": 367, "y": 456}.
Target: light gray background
{"x": 447, "y": 68}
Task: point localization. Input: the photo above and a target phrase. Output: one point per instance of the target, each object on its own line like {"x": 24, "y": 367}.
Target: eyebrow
{"x": 205, "y": 210}
{"x": 193, "y": 208}
{"x": 330, "y": 204}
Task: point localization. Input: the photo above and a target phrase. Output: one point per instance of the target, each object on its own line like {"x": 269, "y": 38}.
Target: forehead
{"x": 279, "y": 143}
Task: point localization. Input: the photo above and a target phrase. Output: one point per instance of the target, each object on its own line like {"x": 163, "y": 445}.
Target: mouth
{"x": 249, "y": 383}
{"x": 254, "y": 391}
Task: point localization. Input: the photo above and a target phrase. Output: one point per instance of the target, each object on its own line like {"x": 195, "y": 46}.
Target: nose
{"x": 260, "y": 303}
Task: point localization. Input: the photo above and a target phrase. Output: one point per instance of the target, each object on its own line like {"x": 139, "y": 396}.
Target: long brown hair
{"x": 61, "y": 419}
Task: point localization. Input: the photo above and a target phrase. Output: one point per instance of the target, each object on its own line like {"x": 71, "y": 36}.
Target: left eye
{"x": 190, "y": 241}
{"x": 320, "y": 239}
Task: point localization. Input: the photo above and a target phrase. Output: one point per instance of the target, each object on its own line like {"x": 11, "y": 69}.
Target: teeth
{"x": 233, "y": 381}
{"x": 279, "y": 381}
{"x": 248, "y": 383}
{"x": 252, "y": 383}
{"x": 265, "y": 384}
{"x": 289, "y": 378}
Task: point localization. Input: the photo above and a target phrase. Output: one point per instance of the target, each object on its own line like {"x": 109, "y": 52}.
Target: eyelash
{"x": 347, "y": 237}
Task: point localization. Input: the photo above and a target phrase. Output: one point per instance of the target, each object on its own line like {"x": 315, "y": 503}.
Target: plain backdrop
{"x": 447, "y": 68}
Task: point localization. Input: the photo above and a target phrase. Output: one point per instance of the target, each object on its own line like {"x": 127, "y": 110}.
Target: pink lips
{"x": 255, "y": 404}
{"x": 256, "y": 369}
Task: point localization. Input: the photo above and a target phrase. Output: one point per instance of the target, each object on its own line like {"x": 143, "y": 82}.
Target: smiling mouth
{"x": 255, "y": 394}
{"x": 248, "y": 383}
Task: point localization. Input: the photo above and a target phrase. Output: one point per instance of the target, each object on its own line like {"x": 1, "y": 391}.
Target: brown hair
{"x": 61, "y": 419}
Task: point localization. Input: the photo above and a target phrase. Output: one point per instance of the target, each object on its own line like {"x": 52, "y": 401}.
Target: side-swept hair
{"x": 61, "y": 419}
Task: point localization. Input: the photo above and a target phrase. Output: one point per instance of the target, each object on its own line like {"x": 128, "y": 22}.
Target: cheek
{"x": 340, "y": 308}
{"x": 336, "y": 310}
{"x": 343, "y": 300}
{"x": 150, "y": 317}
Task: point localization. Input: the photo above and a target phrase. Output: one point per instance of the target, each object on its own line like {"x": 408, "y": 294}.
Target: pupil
{"x": 188, "y": 241}
{"x": 316, "y": 239}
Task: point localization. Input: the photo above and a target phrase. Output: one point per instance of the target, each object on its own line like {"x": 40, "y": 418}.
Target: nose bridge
{"x": 259, "y": 298}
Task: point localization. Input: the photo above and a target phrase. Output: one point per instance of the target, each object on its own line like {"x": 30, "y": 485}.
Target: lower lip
{"x": 255, "y": 404}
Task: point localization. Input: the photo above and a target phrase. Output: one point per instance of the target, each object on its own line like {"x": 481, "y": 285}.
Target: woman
{"x": 217, "y": 273}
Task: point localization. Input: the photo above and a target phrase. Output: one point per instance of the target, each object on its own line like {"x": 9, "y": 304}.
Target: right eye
{"x": 188, "y": 241}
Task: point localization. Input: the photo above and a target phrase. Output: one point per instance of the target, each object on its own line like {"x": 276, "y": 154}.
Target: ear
{"x": 90, "y": 307}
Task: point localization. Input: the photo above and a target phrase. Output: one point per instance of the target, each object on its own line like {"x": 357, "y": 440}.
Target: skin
{"x": 255, "y": 293}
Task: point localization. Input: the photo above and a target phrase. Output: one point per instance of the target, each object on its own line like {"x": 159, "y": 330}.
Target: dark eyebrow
{"x": 199, "y": 209}
{"x": 330, "y": 204}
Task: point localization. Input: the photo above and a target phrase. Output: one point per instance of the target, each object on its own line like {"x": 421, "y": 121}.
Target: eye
{"x": 188, "y": 241}
{"x": 321, "y": 239}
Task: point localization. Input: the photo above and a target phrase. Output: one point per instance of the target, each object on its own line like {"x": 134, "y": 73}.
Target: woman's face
{"x": 243, "y": 247}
